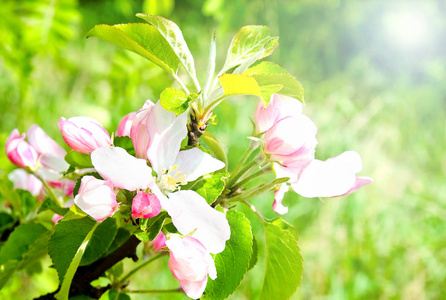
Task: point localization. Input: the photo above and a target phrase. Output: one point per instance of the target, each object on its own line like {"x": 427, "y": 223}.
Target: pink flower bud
{"x": 84, "y": 134}
{"x": 145, "y": 205}
{"x": 96, "y": 198}
{"x": 25, "y": 181}
{"x": 138, "y": 133}
{"x": 125, "y": 125}
{"x": 159, "y": 242}
{"x": 190, "y": 263}
{"x": 20, "y": 152}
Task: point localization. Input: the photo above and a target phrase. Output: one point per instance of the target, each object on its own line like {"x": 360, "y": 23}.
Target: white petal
{"x": 195, "y": 163}
{"x": 43, "y": 143}
{"x": 121, "y": 169}
{"x": 330, "y": 178}
{"x": 189, "y": 211}
{"x": 278, "y": 197}
{"x": 166, "y": 133}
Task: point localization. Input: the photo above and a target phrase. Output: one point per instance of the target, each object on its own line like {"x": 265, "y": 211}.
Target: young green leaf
{"x": 283, "y": 263}
{"x": 241, "y": 84}
{"x": 267, "y": 73}
{"x": 143, "y": 39}
{"x": 151, "y": 227}
{"x": 233, "y": 262}
{"x": 216, "y": 147}
{"x": 79, "y": 160}
{"x": 255, "y": 253}
{"x": 211, "y": 187}
{"x": 174, "y": 100}
{"x": 247, "y": 43}
{"x": 174, "y": 37}
{"x": 27, "y": 202}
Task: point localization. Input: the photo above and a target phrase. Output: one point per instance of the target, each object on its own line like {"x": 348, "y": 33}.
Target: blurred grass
{"x": 386, "y": 241}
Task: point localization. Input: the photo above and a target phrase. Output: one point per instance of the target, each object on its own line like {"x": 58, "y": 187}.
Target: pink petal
{"x": 125, "y": 125}
{"x": 189, "y": 211}
{"x": 159, "y": 242}
{"x": 121, "y": 169}
{"x": 43, "y": 144}
{"x": 359, "y": 183}
{"x": 25, "y": 181}
{"x": 195, "y": 163}
{"x": 279, "y": 107}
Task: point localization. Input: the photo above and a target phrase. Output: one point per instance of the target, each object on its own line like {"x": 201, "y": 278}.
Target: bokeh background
{"x": 374, "y": 74}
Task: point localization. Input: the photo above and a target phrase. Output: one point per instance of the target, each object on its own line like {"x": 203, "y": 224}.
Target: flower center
{"x": 171, "y": 179}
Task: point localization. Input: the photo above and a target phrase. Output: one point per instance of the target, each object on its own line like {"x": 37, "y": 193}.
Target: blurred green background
{"x": 374, "y": 74}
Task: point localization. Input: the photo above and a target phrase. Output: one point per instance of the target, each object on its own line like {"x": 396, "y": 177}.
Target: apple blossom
{"x": 83, "y": 134}
{"x": 96, "y": 198}
{"x": 145, "y": 205}
{"x": 20, "y": 152}
{"x": 190, "y": 263}
{"x": 25, "y": 181}
{"x": 188, "y": 210}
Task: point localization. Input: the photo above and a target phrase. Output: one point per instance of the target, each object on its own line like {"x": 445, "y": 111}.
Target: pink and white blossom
{"x": 188, "y": 210}
{"x": 190, "y": 263}
{"x": 84, "y": 134}
{"x": 145, "y": 205}
{"x": 96, "y": 198}
{"x": 25, "y": 181}
{"x": 20, "y": 152}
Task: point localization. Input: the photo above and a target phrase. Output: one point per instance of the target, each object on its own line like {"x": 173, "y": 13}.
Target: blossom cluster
{"x": 159, "y": 169}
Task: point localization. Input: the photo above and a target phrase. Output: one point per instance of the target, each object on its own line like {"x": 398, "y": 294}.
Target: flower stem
{"x": 177, "y": 290}
{"x": 253, "y": 208}
{"x": 150, "y": 260}
{"x": 249, "y": 178}
{"x": 236, "y": 173}
{"x": 48, "y": 188}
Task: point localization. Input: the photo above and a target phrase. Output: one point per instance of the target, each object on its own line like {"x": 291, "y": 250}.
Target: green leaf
{"x": 6, "y": 271}
{"x": 233, "y": 262}
{"x": 100, "y": 241}
{"x": 267, "y": 73}
{"x": 53, "y": 206}
{"x": 74, "y": 262}
{"x": 27, "y": 201}
{"x": 121, "y": 236}
{"x": 216, "y": 147}
{"x": 174, "y": 37}
{"x": 114, "y": 295}
{"x": 20, "y": 241}
{"x": 283, "y": 263}
{"x": 211, "y": 186}
{"x": 126, "y": 143}
{"x": 68, "y": 236}
{"x": 174, "y": 100}
{"x": 78, "y": 160}
{"x": 6, "y": 221}
{"x": 250, "y": 42}
{"x": 151, "y": 227}
{"x": 255, "y": 253}
{"x": 143, "y": 39}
